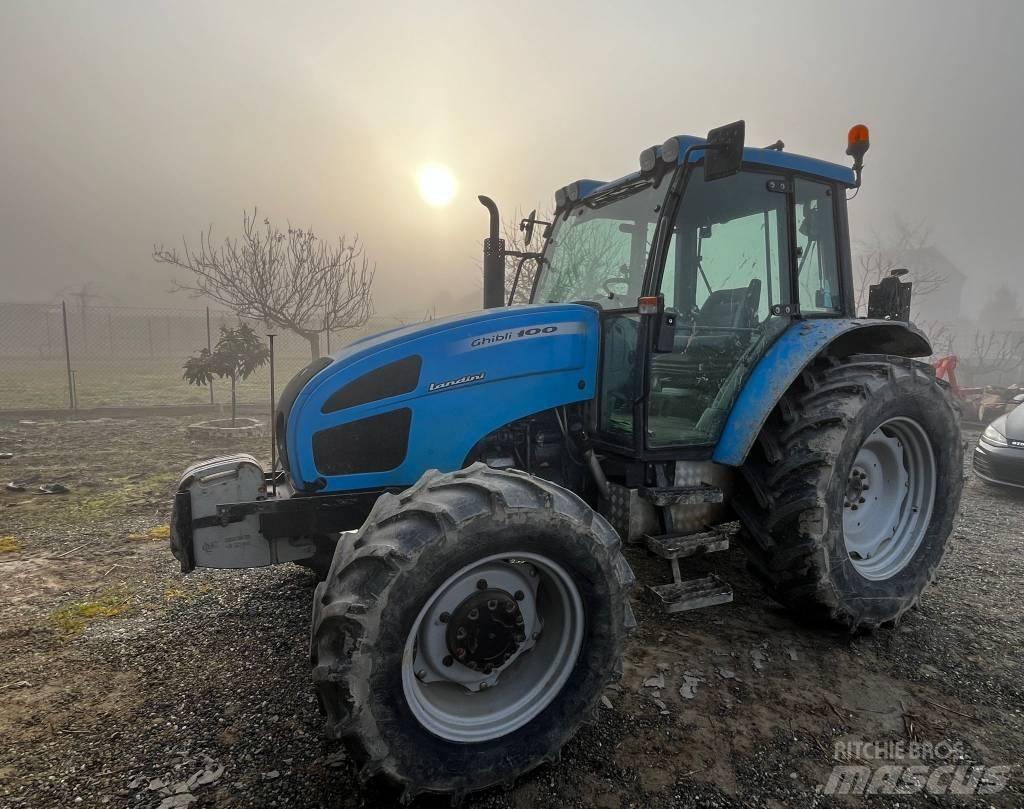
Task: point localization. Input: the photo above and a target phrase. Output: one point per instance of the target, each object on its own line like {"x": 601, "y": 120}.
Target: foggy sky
{"x": 129, "y": 123}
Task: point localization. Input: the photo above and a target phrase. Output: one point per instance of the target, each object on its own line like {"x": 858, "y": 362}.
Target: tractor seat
{"x": 726, "y": 315}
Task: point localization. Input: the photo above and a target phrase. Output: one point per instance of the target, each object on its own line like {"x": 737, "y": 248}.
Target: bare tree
{"x": 939, "y": 335}
{"x": 292, "y": 279}
{"x": 879, "y": 256}
{"x": 996, "y": 352}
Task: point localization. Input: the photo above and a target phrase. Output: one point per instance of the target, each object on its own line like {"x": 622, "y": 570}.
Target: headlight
{"x": 649, "y": 159}
{"x": 993, "y": 436}
{"x": 670, "y": 150}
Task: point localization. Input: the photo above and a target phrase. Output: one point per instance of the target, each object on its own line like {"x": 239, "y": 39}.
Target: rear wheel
{"x": 469, "y": 628}
{"x": 854, "y": 489}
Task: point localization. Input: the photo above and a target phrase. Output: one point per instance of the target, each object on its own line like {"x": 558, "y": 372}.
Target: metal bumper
{"x": 229, "y": 514}
{"x": 1002, "y": 465}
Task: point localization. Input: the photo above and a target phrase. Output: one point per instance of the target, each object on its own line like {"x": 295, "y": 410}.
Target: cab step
{"x": 679, "y": 546}
{"x": 682, "y": 495}
{"x": 692, "y": 594}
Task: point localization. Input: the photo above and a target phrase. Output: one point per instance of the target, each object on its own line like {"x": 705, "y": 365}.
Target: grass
{"x": 8, "y": 544}
{"x": 157, "y": 532}
{"x": 126, "y": 382}
{"x": 73, "y": 618}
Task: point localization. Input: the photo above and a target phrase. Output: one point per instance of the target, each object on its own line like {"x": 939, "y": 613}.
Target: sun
{"x": 436, "y": 183}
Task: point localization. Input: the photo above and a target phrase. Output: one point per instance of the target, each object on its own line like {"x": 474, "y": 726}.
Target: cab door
{"x": 727, "y": 271}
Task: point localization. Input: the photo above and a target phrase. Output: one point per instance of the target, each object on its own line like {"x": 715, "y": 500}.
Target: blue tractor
{"x": 689, "y": 371}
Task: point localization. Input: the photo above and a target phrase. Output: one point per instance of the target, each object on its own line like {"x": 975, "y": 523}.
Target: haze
{"x": 131, "y": 123}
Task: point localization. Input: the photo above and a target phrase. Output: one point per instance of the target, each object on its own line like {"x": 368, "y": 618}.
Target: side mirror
{"x": 723, "y": 155}
{"x": 527, "y": 225}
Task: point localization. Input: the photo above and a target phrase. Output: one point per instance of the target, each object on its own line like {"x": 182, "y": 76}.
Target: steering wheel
{"x": 621, "y": 279}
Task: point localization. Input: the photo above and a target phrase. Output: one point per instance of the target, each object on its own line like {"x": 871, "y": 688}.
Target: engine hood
{"x": 386, "y": 408}
{"x": 1014, "y": 422}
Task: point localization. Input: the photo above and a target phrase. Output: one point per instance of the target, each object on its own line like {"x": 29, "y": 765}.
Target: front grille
{"x": 1000, "y": 469}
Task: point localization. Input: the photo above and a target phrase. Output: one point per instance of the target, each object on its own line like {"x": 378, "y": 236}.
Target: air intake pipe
{"x": 494, "y": 259}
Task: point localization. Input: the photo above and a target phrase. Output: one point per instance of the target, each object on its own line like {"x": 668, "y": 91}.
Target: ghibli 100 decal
{"x": 451, "y": 383}
{"x": 513, "y": 335}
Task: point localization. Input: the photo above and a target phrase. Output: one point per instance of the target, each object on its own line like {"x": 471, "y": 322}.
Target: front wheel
{"x": 463, "y": 636}
{"x": 855, "y": 486}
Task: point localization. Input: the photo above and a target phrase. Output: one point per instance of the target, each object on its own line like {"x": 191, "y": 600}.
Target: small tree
{"x": 237, "y": 354}
{"x": 292, "y": 278}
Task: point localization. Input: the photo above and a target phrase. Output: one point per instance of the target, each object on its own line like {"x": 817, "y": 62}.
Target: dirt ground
{"x": 121, "y": 681}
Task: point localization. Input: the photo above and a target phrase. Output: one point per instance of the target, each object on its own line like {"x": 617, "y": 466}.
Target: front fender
{"x": 790, "y": 354}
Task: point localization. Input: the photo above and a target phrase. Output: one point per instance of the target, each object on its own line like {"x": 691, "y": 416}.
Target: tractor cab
{"x": 696, "y": 270}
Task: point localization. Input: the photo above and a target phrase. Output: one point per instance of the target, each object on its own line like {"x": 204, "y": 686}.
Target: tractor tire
{"x": 537, "y": 579}
{"x": 853, "y": 489}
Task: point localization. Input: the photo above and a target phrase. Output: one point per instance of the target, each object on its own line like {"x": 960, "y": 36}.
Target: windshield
{"x": 598, "y": 251}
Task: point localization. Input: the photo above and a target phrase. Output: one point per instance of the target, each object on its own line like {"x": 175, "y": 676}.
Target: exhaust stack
{"x": 494, "y": 259}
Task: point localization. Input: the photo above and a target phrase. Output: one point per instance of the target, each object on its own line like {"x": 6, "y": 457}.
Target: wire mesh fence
{"x": 60, "y": 355}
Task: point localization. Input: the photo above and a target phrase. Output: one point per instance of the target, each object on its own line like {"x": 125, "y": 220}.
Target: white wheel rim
{"x": 469, "y": 703}
{"x": 889, "y": 498}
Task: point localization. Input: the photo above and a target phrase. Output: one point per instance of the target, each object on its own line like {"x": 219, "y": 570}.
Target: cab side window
{"x": 816, "y": 256}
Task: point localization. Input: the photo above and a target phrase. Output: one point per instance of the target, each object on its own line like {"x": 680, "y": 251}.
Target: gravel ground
{"x": 124, "y": 684}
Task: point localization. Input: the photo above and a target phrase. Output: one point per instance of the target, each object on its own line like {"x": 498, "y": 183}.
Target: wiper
{"x": 613, "y": 194}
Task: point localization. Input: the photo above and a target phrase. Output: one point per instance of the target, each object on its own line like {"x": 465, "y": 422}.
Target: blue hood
{"x": 391, "y": 406}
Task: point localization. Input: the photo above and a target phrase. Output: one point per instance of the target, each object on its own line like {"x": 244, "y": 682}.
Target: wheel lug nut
{"x": 447, "y": 660}
{"x": 519, "y": 595}
{"x": 861, "y": 500}
{"x": 421, "y": 674}
{"x": 854, "y": 507}
{"x": 865, "y": 487}
{"x": 444, "y": 617}
{"x": 482, "y": 584}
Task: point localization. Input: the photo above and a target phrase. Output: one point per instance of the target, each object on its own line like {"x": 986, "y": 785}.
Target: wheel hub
{"x": 470, "y": 635}
{"x": 486, "y": 629}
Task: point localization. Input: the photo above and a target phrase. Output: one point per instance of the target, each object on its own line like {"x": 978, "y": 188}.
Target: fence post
{"x": 67, "y": 353}
{"x": 209, "y": 346}
{"x": 273, "y": 422}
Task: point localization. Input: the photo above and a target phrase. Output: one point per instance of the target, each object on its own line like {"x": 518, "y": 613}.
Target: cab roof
{"x": 773, "y": 158}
